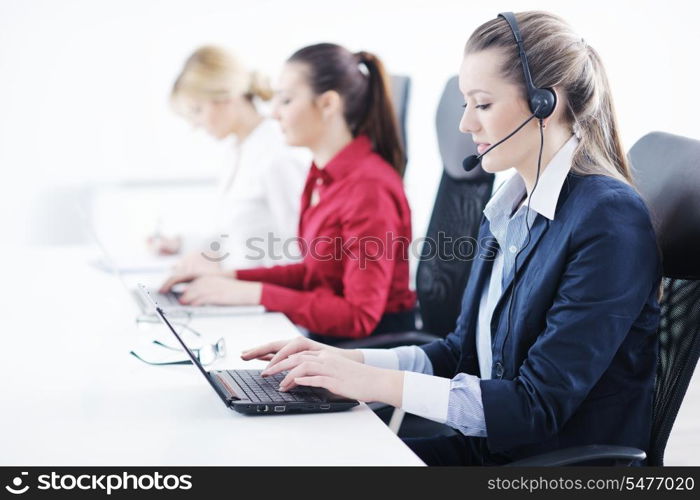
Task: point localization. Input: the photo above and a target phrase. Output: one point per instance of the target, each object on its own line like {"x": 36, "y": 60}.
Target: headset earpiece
{"x": 543, "y": 102}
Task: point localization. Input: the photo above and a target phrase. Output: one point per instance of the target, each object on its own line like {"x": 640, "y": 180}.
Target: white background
{"x": 84, "y": 84}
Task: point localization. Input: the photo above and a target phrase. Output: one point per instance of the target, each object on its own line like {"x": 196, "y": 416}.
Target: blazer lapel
{"x": 481, "y": 268}
{"x": 480, "y": 271}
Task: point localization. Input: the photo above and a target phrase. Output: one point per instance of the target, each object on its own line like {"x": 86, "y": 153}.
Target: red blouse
{"x": 355, "y": 241}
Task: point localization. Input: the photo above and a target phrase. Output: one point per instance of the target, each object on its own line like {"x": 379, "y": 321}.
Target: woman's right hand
{"x": 175, "y": 279}
{"x": 280, "y": 350}
{"x": 164, "y": 245}
{"x": 185, "y": 276}
{"x": 196, "y": 263}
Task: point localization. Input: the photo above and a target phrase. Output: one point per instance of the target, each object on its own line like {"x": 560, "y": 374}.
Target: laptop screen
{"x": 144, "y": 291}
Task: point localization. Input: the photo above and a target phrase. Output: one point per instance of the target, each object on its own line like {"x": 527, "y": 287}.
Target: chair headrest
{"x": 400, "y": 90}
{"x": 454, "y": 145}
{"x": 666, "y": 170}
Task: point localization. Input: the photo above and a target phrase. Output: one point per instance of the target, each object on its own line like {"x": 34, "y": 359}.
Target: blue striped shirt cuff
{"x": 466, "y": 410}
{"x": 455, "y": 402}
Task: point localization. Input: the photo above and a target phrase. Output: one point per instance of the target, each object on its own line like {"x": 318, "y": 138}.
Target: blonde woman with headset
{"x": 556, "y": 343}
{"x": 257, "y": 206}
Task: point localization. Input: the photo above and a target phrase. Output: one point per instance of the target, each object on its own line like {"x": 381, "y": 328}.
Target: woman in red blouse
{"x": 355, "y": 226}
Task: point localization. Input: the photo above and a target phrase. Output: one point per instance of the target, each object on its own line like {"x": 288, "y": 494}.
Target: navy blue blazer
{"x": 579, "y": 362}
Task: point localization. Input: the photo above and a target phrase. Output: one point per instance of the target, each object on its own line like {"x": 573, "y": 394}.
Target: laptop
{"x": 245, "y": 391}
{"x": 172, "y": 305}
{"x": 169, "y": 302}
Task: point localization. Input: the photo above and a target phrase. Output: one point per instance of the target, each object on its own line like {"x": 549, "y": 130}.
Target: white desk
{"x": 73, "y": 395}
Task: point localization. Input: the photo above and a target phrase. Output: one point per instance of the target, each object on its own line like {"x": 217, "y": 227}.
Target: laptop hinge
{"x": 225, "y": 386}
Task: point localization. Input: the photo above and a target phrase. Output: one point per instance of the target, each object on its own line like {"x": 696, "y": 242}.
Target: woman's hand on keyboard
{"x": 198, "y": 264}
{"x": 341, "y": 376}
{"x": 221, "y": 290}
{"x": 278, "y": 351}
{"x": 187, "y": 277}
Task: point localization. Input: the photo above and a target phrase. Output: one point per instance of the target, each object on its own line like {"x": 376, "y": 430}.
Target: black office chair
{"x": 400, "y": 94}
{"x": 440, "y": 279}
{"x": 666, "y": 170}
{"x": 460, "y": 201}
{"x": 457, "y": 212}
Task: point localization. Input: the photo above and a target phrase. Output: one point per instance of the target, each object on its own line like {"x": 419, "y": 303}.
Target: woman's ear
{"x": 558, "y": 115}
{"x": 330, "y": 104}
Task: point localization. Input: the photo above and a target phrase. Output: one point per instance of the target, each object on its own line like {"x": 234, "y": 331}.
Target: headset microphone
{"x": 471, "y": 162}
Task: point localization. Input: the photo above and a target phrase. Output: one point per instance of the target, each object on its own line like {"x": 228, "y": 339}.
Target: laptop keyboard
{"x": 264, "y": 389}
{"x": 169, "y": 299}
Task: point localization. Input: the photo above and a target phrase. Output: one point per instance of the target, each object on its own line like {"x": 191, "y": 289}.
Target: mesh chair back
{"x": 666, "y": 170}
{"x": 444, "y": 268}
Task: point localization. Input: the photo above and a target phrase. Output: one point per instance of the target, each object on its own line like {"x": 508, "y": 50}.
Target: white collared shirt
{"x": 457, "y": 402}
{"x": 258, "y": 195}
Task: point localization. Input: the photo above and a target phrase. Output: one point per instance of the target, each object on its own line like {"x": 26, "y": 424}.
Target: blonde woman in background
{"x": 257, "y": 206}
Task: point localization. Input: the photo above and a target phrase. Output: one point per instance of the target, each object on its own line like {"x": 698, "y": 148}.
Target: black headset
{"x": 542, "y": 101}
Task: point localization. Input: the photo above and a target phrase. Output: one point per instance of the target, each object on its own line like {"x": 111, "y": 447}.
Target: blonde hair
{"x": 558, "y": 57}
{"x": 214, "y": 73}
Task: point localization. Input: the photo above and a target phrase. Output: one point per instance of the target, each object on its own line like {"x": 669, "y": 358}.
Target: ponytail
{"x": 596, "y": 123}
{"x": 362, "y": 83}
{"x": 380, "y": 118}
{"x": 259, "y": 87}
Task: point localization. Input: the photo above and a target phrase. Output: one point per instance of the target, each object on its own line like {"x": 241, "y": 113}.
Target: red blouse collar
{"x": 345, "y": 161}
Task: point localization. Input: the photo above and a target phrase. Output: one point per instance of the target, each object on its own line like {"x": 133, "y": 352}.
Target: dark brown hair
{"x": 362, "y": 83}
